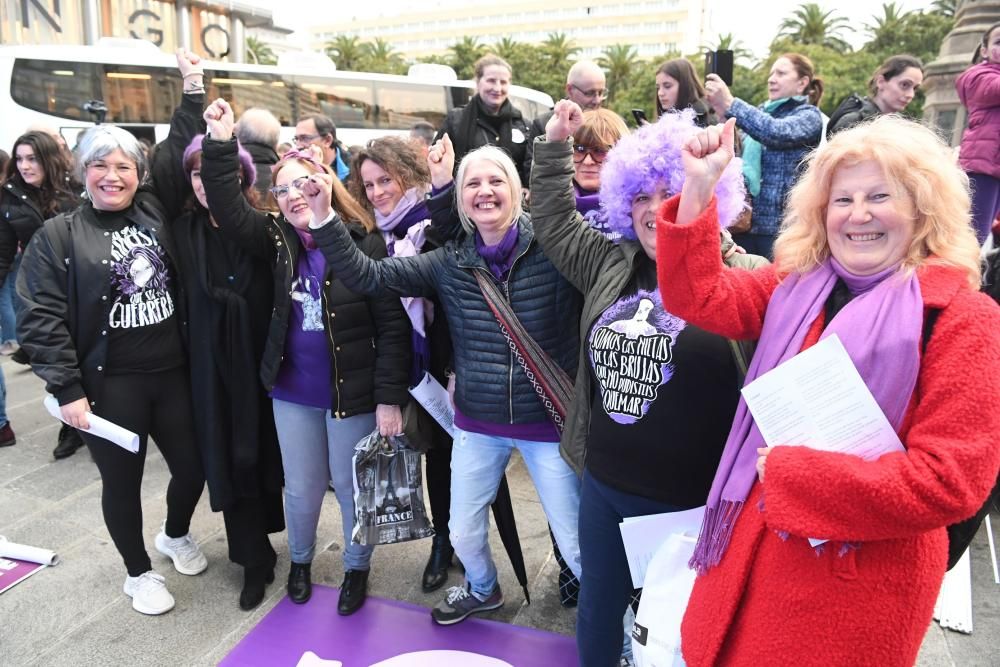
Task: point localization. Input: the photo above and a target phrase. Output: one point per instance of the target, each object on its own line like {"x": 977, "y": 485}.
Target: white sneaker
{"x": 183, "y": 551}
{"x": 149, "y": 593}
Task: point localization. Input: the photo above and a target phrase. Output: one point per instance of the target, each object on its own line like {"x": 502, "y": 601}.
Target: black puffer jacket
{"x": 491, "y": 385}
{"x": 20, "y": 218}
{"x": 369, "y": 336}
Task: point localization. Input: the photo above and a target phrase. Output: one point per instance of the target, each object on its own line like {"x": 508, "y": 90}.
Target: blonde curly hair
{"x": 916, "y": 162}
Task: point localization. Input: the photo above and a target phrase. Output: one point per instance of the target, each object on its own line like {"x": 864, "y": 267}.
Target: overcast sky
{"x": 751, "y": 21}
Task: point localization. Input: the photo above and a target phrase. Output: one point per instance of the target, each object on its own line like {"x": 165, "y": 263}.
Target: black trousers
{"x": 438, "y": 482}
{"x": 149, "y": 404}
{"x": 247, "y": 525}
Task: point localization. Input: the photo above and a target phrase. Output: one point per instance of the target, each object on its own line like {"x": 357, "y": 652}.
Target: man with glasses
{"x": 319, "y": 130}
{"x": 585, "y": 85}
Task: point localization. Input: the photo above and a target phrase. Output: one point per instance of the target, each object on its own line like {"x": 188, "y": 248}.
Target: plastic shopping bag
{"x": 388, "y": 492}
{"x": 656, "y": 635}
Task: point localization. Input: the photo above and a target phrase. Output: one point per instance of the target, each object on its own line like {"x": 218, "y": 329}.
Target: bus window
{"x": 400, "y": 105}
{"x": 55, "y": 87}
{"x": 460, "y": 96}
{"x": 244, "y": 90}
{"x": 351, "y": 104}
{"x": 140, "y": 94}
{"x": 528, "y": 108}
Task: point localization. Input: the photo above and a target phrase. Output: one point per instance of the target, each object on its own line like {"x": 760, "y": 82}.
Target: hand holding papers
{"x": 644, "y": 535}
{"x": 102, "y": 428}
{"x": 818, "y": 399}
{"x": 434, "y": 399}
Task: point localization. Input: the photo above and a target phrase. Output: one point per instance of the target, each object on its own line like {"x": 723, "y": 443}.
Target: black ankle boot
{"x": 300, "y": 582}
{"x": 255, "y": 579}
{"x": 353, "y": 592}
{"x": 436, "y": 572}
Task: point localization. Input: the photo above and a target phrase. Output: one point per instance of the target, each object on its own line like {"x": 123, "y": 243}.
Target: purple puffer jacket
{"x": 979, "y": 89}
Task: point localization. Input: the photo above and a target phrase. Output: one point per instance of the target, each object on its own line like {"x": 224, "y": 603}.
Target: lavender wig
{"x": 246, "y": 161}
{"x": 652, "y": 155}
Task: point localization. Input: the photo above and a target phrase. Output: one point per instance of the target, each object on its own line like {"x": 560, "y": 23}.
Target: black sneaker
{"x": 7, "y": 436}
{"x": 68, "y": 442}
{"x": 20, "y": 357}
{"x": 459, "y": 603}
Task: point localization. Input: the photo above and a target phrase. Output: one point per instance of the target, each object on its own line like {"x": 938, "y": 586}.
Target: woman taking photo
{"x": 628, "y": 468}
{"x": 891, "y": 89}
{"x": 776, "y": 137}
{"x": 390, "y": 178}
{"x": 489, "y": 119}
{"x": 678, "y": 87}
{"x": 336, "y": 363}
{"x": 876, "y": 249}
{"x": 498, "y": 247}
{"x": 36, "y": 186}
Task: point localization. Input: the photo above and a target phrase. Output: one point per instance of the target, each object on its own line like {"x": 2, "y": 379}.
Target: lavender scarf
{"x": 500, "y": 257}
{"x": 404, "y": 232}
{"x": 880, "y": 329}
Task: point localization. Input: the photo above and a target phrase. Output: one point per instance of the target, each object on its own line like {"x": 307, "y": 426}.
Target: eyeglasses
{"x": 580, "y": 153}
{"x": 591, "y": 94}
{"x": 102, "y": 168}
{"x": 305, "y": 138}
{"x": 281, "y": 191}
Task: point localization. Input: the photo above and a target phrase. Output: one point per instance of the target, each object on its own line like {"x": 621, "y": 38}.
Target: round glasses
{"x": 281, "y": 191}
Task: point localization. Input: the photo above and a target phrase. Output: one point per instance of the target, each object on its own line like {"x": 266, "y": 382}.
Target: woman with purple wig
{"x": 643, "y": 372}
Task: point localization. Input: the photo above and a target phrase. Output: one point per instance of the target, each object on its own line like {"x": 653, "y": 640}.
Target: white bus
{"x": 140, "y": 86}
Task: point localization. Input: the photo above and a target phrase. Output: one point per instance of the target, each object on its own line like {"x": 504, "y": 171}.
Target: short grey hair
{"x": 101, "y": 140}
{"x": 500, "y": 158}
{"x": 258, "y": 126}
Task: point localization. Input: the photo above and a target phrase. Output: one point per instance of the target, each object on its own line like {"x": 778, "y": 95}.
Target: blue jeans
{"x": 3, "y": 399}
{"x": 606, "y": 585}
{"x": 9, "y": 303}
{"x": 477, "y": 464}
{"x": 315, "y": 449}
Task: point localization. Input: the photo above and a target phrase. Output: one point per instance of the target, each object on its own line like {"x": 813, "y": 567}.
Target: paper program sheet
{"x": 643, "y": 536}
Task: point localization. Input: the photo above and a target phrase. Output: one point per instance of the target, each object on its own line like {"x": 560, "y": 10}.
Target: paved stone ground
{"x": 76, "y": 614}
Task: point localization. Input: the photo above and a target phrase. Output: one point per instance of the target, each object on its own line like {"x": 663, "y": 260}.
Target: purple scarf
{"x": 500, "y": 257}
{"x": 403, "y": 230}
{"x": 588, "y": 205}
{"x": 880, "y": 329}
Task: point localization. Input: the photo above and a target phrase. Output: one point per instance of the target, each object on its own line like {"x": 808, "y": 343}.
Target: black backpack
{"x": 852, "y": 104}
{"x": 961, "y": 534}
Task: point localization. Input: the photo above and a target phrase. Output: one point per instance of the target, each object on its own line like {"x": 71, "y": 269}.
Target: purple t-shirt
{"x": 304, "y": 376}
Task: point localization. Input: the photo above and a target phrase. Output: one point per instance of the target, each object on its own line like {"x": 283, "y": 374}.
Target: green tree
{"x": 259, "y": 53}
{"x": 380, "y": 56}
{"x": 887, "y": 29}
{"x": 347, "y": 52}
{"x": 946, "y": 8}
{"x": 728, "y": 42}
{"x": 559, "y": 49}
{"x": 618, "y": 61}
{"x": 809, "y": 24}
{"x": 463, "y": 54}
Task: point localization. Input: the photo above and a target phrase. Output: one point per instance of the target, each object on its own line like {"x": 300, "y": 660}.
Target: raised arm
{"x": 951, "y": 458}
{"x": 577, "y": 250}
{"x": 168, "y": 181}
{"x": 693, "y": 282}
{"x": 444, "y": 217}
{"x": 220, "y": 174}
{"x": 402, "y": 276}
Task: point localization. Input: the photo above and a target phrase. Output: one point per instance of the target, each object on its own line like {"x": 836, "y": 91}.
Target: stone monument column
{"x": 942, "y": 108}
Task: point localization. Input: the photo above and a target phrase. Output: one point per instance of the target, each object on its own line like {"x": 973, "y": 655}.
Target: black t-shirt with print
{"x": 142, "y": 327}
{"x": 664, "y": 396}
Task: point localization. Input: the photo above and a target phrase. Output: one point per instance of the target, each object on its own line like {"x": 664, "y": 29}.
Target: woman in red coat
{"x": 876, "y": 236}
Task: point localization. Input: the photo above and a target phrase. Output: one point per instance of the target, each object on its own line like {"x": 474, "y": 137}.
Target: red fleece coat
{"x": 776, "y": 602}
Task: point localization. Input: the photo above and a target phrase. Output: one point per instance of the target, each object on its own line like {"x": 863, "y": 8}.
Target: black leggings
{"x": 149, "y": 404}
{"x": 438, "y": 482}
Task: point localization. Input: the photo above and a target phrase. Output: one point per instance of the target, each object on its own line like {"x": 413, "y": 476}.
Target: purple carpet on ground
{"x": 388, "y": 630}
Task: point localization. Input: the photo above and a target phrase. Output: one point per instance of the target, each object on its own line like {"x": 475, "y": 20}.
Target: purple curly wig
{"x": 652, "y": 155}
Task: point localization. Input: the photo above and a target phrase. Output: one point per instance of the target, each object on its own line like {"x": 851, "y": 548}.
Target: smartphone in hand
{"x": 640, "y": 117}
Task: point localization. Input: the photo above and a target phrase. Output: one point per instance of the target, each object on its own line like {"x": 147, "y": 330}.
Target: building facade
{"x": 653, "y": 27}
{"x": 216, "y": 30}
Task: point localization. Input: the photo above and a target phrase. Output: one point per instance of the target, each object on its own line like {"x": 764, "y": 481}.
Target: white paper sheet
{"x": 818, "y": 399}
{"x": 435, "y": 400}
{"x": 643, "y": 536}
{"x": 27, "y": 553}
{"x": 100, "y": 427}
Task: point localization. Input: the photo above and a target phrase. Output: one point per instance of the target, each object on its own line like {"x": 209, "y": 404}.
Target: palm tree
{"x": 619, "y": 61}
{"x": 559, "y": 48}
{"x": 887, "y": 28}
{"x": 507, "y": 48}
{"x": 380, "y": 56}
{"x": 259, "y": 53}
{"x": 347, "y": 52}
{"x": 946, "y": 8}
{"x": 728, "y": 42}
{"x": 464, "y": 54}
{"x": 809, "y": 24}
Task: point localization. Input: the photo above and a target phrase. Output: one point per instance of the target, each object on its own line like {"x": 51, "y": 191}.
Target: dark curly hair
{"x": 400, "y": 158}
